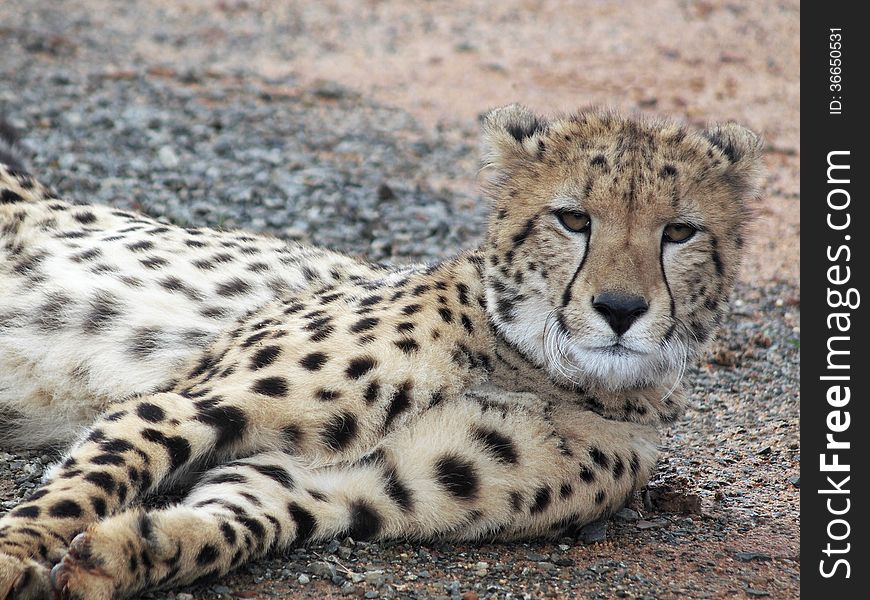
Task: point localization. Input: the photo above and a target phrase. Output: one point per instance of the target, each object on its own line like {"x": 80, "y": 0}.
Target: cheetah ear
{"x": 736, "y": 142}
{"x": 510, "y": 135}
{"x": 742, "y": 148}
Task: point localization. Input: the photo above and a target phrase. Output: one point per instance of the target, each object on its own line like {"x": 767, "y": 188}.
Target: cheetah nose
{"x": 620, "y": 310}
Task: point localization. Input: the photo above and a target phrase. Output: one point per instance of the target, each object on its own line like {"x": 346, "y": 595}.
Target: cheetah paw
{"x": 23, "y": 579}
{"x": 80, "y": 574}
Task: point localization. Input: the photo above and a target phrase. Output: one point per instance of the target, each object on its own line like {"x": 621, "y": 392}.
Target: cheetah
{"x": 292, "y": 393}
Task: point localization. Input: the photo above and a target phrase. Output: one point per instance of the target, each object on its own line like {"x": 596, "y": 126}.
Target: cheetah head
{"x": 613, "y": 242}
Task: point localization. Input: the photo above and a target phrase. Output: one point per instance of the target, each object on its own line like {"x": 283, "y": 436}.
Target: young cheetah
{"x": 299, "y": 394}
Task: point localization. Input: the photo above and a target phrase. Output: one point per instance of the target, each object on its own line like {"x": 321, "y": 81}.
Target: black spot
{"x": 275, "y": 472}
{"x": 328, "y": 395}
{"x": 566, "y": 490}
{"x": 587, "y": 474}
{"x": 446, "y": 314}
{"x": 313, "y": 361}
{"x": 99, "y": 506}
{"x": 360, "y": 366}
{"x": 457, "y": 476}
{"x": 634, "y": 463}
{"x": 229, "y": 533}
{"x": 516, "y": 500}
{"x": 207, "y": 555}
{"x": 340, "y": 431}
{"x": 85, "y": 218}
{"x": 254, "y": 339}
{"x": 524, "y": 233}
{"x": 177, "y": 447}
{"x": 115, "y": 446}
{"x": 543, "y": 497}
{"x": 668, "y": 171}
{"x": 599, "y": 457}
{"x": 9, "y": 197}
{"x": 370, "y": 300}
{"x": 291, "y": 436}
{"x": 233, "y": 287}
{"x": 598, "y": 161}
{"x": 407, "y": 345}
{"x": 364, "y": 324}
{"x": 365, "y": 522}
{"x": 140, "y": 246}
{"x": 226, "y": 478}
{"x": 500, "y": 446}
{"x": 618, "y": 467}
{"x": 306, "y": 524}
{"x": 153, "y": 262}
{"x": 264, "y": 357}
{"x": 599, "y": 497}
{"x": 411, "y": 309}
{"x": 102, "y": 480}
{"x": 372, "y": 391}
{"x": 399, "y": 403}
{"x": 275, "y": 387}
{"x": 65, "y": 509}
{"x": 105, "y": 308}
{"x": 398, "y": 491}
{"x": 25, "y": 512}
{"x": 405, "y": 327}
{"x": 229, "y": 421}
{"x": 150, "y": 412}
{"x": 107, "y": 459}
{"x": 467, "y": 324}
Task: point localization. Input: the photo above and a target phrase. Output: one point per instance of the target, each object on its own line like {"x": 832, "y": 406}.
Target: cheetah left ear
{"x": 736, "y": 142}
{"x": 742, "y": 149}
{"x": 511, "y": 135}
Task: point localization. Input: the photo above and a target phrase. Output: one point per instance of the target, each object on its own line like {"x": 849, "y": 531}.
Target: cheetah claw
{"x": 78, "y": 576}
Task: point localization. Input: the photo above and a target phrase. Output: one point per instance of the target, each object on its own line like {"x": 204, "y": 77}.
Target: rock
{"x": 644, "y": 524}
{"x": 756, "y": 592}
{"x": 535, "y": 557}
{"x": 795, "y": 480}
{"x": 627, "y": 514}
{"x": 751, "y": 555}
{"x": 593, "y": 532}
{"x": 322, "y": 569}
{"x": 168, "y": 157}
{"x": 183, "y": 596}
{"x": 347, "y": 588}
{"x": 673, "y": 495}
{"x": 304, "y": 579}
{"x": 375, "y": 578}
{"x": 481, "y": 569}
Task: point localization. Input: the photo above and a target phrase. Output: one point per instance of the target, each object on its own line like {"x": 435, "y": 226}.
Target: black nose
{"x": 620, "y": 310}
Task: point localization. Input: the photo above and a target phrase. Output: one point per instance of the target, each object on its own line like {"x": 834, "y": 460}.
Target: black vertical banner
{"x": 835, "y": 370}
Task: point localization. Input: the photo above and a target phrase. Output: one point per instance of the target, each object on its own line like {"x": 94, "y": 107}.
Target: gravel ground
{"x": 181, "y": 110}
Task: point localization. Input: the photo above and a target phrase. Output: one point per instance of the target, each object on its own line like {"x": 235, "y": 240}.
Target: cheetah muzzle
{"x": 299, "y": 394}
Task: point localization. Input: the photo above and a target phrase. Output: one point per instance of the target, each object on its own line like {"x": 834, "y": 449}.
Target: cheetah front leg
{"x": 466, "y": 470}
{"x": 130, "y": 450}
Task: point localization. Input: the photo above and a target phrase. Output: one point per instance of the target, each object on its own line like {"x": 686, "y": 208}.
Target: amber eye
{"x": 679, "y": 232}
{"x": 573, "y": 220}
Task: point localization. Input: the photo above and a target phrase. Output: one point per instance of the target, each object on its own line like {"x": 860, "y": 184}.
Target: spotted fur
{"x": 302, "y": 394}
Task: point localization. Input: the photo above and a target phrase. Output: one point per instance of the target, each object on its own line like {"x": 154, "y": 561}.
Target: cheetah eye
{"x": 679, "y": 233}
{"x": 573, "y": 220}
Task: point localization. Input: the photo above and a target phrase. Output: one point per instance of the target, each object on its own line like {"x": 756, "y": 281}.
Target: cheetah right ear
{"x": 511, "y": 135}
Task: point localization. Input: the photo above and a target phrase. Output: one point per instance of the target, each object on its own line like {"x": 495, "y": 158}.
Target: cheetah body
{"x": 299, "y": 394}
